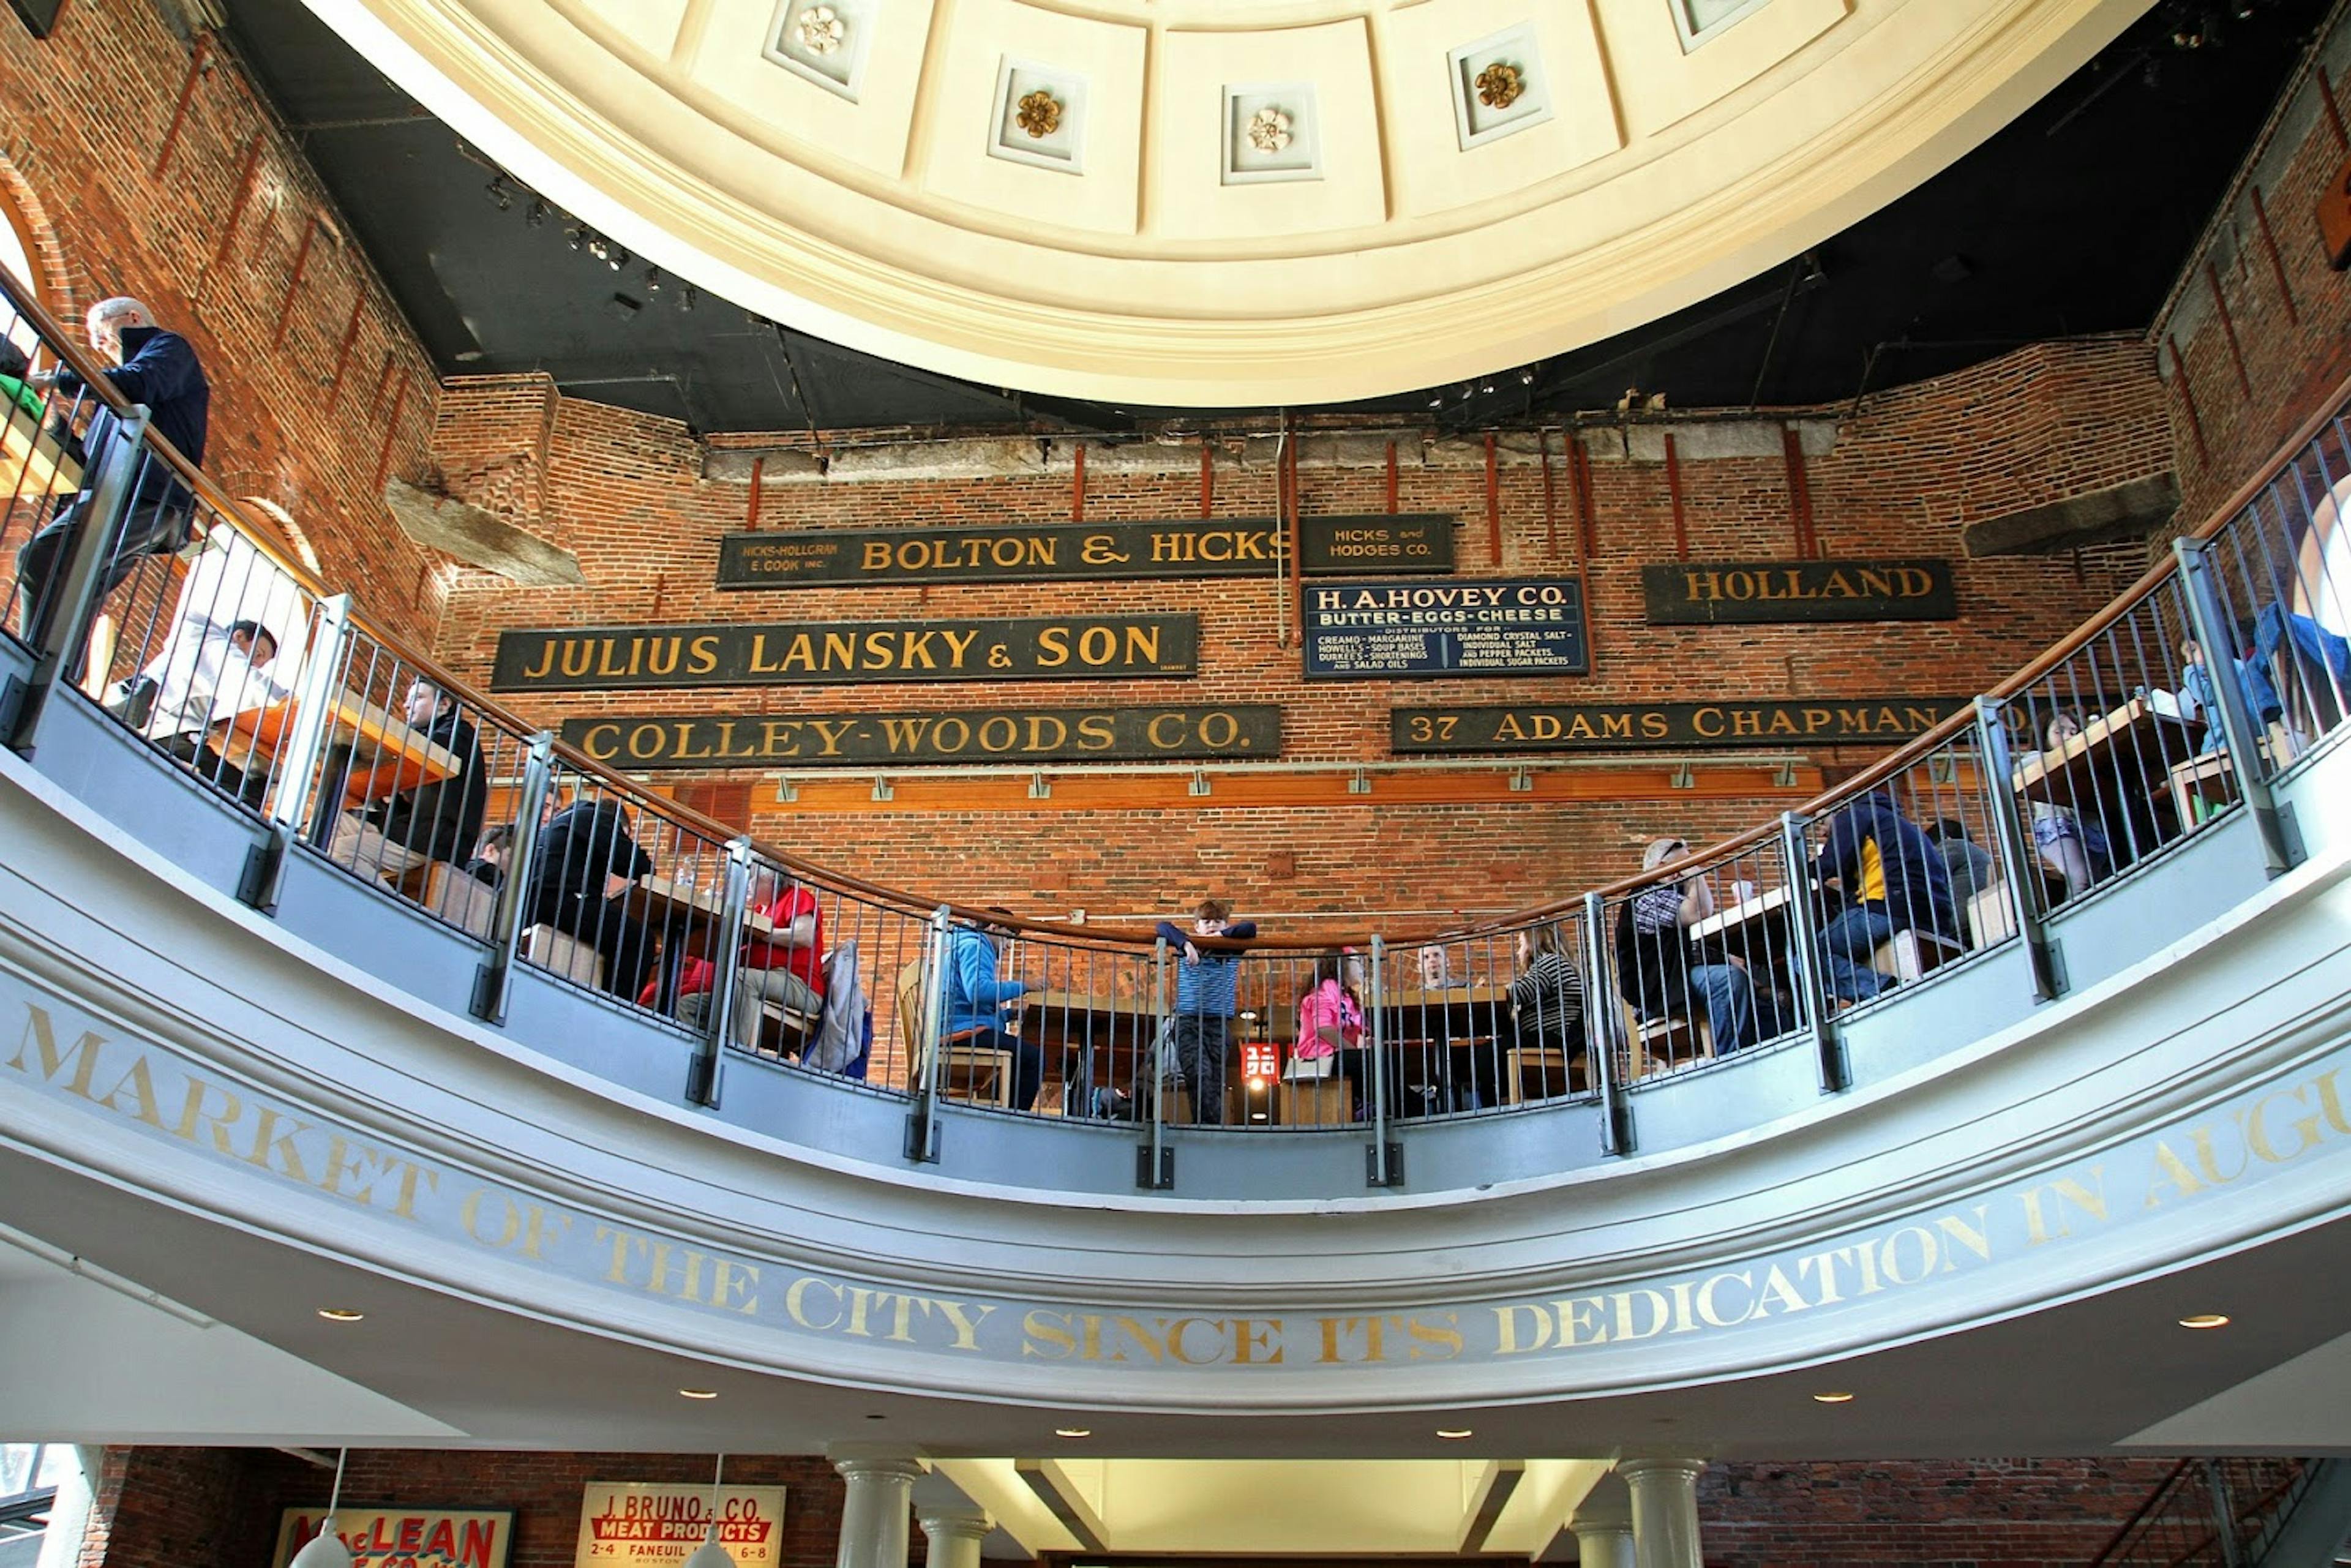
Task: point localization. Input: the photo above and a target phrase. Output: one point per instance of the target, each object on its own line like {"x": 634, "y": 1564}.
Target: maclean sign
{"x": 995, "y": 734}
{"x": 1726, "y": 592}
{"x": 1604, "y": 726}
{"x": 1066, "y": 648}
{"x": 1043, "y": 552}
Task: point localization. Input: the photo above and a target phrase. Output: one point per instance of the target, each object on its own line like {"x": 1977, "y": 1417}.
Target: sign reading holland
{"x": 1041, "y": 552}
{"x": 1745, "y": 592}
{"x": 1057, "y": 648}
{"x": 658, "y": 1524}
{"x": 1494, "y": 626}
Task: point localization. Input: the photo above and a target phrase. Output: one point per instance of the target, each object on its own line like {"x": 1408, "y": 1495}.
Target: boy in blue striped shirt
{"x": 1205, "y": 986}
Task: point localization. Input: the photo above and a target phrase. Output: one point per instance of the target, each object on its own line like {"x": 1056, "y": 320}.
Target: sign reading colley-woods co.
{"x": 1057, "y": 648}
{"x": 1495, "y": 626}
{"x": 1039, "y": 552}
{"x": 1612, "y": 727}
{"x": 1724, "y": 593}
{"x": 991, "y": 735}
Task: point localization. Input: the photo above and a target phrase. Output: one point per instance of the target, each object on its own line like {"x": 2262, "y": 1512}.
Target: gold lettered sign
{"x": 995, "y": 734}
{"x": 1044, "y": 552}
{"x": 1614, "y": 726}
{"x": 660, "y": 1524}
{"x": 1741, "y": 592}
{"x": 1064, "y": 648}
{"x": 403, "y": 1537}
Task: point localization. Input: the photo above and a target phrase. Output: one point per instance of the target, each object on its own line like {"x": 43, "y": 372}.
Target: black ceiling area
{"x": 2075, "y": 218}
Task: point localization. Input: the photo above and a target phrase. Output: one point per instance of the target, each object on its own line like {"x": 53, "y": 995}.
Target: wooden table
{"x": 1108, "y": 1034}
{"x": 31, "y": 461}
{"x": 689, "y": 920}
{"x": 1731, "y": 922}
{"x": 370, "y": 754}
{"x": 2139, "y": 740}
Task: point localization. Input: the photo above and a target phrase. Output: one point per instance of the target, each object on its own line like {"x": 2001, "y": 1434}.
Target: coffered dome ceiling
{"x": 1207, "y": 203}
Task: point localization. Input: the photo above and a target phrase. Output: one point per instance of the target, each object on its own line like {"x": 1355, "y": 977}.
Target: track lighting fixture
{"x": 498, "y": 191}
{"x": 536, "y": 213}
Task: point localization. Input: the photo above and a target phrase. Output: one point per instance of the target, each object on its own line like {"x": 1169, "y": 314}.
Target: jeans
{"x": 154, "y": 526}
{"x": 1729, "y": 1002}
{"x": 1027, "y": 1062}
{"x": 1200, "y": 1048}
{"x": 1846, "y": 945}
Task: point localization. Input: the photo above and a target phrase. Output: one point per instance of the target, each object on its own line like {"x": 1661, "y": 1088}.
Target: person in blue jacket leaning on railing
{"x": 1891, "y": 878}
{"x": 160, "y": 370}
{"x": 1206, "y": 984}
{"x": 976, "y": 998}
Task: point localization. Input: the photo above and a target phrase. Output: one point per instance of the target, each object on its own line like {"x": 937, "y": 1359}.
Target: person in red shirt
{"x": 786, "y": 967}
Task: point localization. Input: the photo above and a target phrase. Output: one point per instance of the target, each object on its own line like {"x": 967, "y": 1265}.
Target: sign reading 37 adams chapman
{"x": 1616, "y": 726}
{"x": 784, "y": 654}
{"x": 1750, "y": 593}
{"x": 1094, "y": 552}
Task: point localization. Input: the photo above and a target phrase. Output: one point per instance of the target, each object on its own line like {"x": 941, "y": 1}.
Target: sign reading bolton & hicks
{"x": 1741, "y": 592}
{"x": 403, "y": 1537}
{"x": 1069, "y": 648}
{"x": 1041, "y": 552}
{"x": 651, "y": 1525}
{"x": 995, "y": 735}
{"x": 1497, "y": 626}
{"x": 1613, "y": 726}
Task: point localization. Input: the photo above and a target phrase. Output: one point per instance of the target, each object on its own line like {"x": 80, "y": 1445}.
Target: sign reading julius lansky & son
{"x": 1094, "y": 552}
{"x": 1741, "y": 592}
{"x": 1491, "y": 626}
{"x": 1613, "y": 726}
{"x": 786, "y": 653}
{"x": 991, "y": 735}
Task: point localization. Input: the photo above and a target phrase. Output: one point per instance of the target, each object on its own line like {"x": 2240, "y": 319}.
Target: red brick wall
{"x": 624, "y": 491}
{"x": 2293, "y": 342}
{"x": 90, "y": 110}
{"x": 1975, "y": 1513}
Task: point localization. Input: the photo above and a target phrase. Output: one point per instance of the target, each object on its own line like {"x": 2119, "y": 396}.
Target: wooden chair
{"x": 1670, "y": 1038}
{"x": 982, "y": 1073}
{"x": 1316, "y": 1102}
{"x": 564, "y": 955}
{"x": 1553, "y": 1069}
{"x": 1909, "y": 955}
{"x": 462, "y": 900}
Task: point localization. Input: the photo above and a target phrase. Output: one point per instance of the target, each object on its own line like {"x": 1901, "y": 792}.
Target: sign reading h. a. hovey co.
{"x": 403, "y": 1537}
{"x": 1494, "y": 626}
{"x": 1043, "y": 552}
{"x": 988, "y": 735}
{"x": 1744, "y": 592}
{"x": 1039, "y": 648}
{"x": 658, "y": 1524}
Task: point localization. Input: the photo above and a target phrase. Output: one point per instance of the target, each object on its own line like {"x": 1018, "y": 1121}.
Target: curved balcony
{"x": 2111, "y": 1068}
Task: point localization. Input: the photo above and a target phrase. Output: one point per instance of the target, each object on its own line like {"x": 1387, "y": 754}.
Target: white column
{"x": 873, "y": 1514}
{"x": 1603, "y": 1526}
{"x": 1665, "y": 1512}
{"x": 954, "y": 1535}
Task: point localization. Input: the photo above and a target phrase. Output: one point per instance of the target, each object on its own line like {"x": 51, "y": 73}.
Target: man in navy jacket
{"x": 153, "y": 367}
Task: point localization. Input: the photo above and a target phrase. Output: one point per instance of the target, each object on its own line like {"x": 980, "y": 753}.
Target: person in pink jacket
{"x": 1330, "y": 1026}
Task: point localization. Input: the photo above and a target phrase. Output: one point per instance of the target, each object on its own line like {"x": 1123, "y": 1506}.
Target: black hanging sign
{"x": 988, "y": 734}
{"x": 1618, "y": 726}
{"x": 785, "y": 653}
{"x": 1489, "y": 626}
{"x": 1093, "y": 552}
{"x": 1743, "y": 593}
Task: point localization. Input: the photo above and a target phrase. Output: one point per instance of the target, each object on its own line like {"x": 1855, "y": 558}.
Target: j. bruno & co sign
{"x": 1044, "y": 552}
{"x": 988, "y": 734}
{"x": 1058, "y": 648}
{"x": 1741, "y": 592}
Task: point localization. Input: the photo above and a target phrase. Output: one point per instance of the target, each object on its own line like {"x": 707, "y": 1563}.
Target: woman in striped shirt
{"x": 1547, "y": 998}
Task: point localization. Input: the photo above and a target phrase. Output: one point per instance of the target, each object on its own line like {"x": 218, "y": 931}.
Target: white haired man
{"x": 151, "y": 366}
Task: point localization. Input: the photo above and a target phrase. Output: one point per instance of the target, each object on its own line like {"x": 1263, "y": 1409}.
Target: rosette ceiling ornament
{"x": 1491, "y": 182}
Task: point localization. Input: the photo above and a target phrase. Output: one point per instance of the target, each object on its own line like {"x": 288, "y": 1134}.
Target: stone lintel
{"x": 480, "y": 538}
{"x": 2130, "y": 510}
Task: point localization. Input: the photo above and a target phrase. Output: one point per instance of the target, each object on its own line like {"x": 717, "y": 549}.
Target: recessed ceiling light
{"x": 1453, "y": 1433}
{"x": 2205, "y": 1321}
{"x": 1832, "y": 1397}
{"x": 699, "y": 1393}
{"x": 352, "y": 1315}
{"x": 1073, "y": 1431}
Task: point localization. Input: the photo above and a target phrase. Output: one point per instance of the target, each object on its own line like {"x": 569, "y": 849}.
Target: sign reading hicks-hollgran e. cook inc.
{"x": 988, "y": 735}
{"x": 1041, "y": 552}
{"x": 1494, "y": 626}
{"x": 1617, "y": 727}
{"x": 786, "y": 653}
{"x": 1746, "y": 592}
